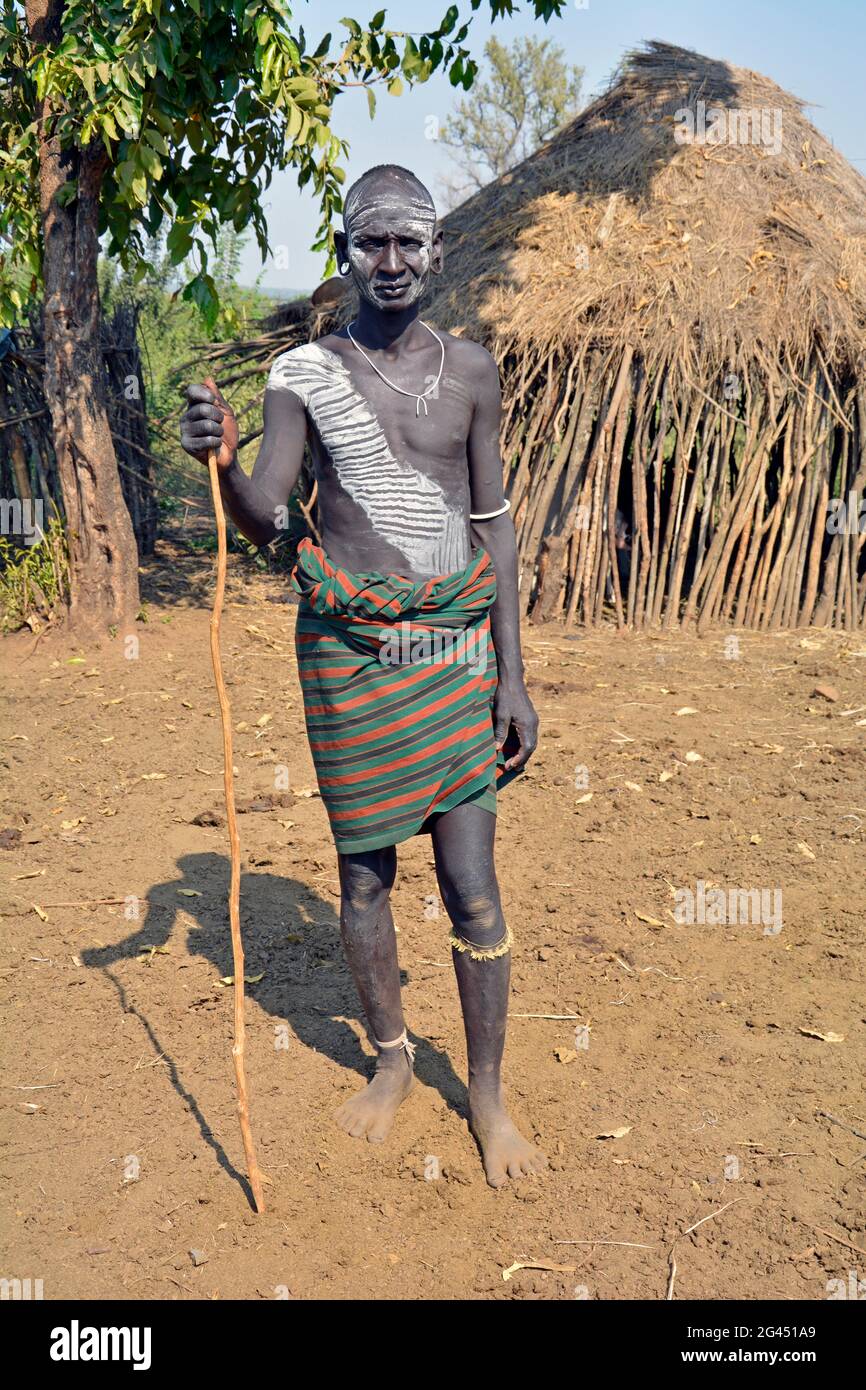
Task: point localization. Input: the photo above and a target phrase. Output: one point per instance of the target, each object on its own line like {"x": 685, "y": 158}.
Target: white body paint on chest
{"x": 406, "y": 508}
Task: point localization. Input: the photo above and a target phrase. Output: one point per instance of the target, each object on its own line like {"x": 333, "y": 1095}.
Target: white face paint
{"x": 390, "y": 225}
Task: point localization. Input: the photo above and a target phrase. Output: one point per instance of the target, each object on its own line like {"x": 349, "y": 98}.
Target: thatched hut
{"x": 678, "y": 305}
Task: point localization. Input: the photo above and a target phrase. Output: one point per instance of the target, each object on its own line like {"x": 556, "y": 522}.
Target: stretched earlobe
{"x": 344, "y": 267}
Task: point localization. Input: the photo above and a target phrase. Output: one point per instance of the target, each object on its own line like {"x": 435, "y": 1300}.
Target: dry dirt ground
{"x": 717, "y": 1051}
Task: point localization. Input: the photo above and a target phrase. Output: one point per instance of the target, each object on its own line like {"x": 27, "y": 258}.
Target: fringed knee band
{"x": 476, "y": 952}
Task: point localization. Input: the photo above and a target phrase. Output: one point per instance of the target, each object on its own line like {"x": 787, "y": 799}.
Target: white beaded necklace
{"x": 419, "y": 399}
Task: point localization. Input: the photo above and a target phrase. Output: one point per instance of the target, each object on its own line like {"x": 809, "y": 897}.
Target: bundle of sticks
{"x": 643, "y": 494}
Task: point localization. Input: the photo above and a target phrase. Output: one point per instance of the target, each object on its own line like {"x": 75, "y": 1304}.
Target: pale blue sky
{"x": 815, "y": 50}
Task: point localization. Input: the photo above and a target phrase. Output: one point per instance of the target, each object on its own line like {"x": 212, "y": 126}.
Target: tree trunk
{"x": 103, "y": 558}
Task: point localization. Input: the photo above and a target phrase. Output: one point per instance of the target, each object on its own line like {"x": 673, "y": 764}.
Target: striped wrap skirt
{"x": 398, "y": 678}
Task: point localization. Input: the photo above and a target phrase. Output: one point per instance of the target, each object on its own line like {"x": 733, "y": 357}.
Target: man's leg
{"x": 367, "y": 929}
{"x": 463, "y": 849}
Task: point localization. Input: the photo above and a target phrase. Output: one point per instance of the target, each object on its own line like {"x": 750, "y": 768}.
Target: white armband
{"x": 486, "y": 516}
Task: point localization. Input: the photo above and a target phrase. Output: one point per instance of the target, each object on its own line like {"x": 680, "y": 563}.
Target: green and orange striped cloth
{"x": 398, "y": 678}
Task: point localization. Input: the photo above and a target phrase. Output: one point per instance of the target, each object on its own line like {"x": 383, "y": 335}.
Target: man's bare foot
{"x": 371, "y": 1112}
{"x": 504, "y": 1151}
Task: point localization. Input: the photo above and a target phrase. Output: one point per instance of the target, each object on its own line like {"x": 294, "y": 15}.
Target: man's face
{"x": 392, "y": 244}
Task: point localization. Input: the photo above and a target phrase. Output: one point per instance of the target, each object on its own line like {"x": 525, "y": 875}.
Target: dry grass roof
{"x": 705, "y": 255}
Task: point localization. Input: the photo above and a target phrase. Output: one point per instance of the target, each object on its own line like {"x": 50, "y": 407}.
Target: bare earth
{"x": 121, "y": 1152}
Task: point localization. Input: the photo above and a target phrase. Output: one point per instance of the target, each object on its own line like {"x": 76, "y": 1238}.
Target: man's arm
{"x": 250, "y": 500}
{"x": 512, "y": 704}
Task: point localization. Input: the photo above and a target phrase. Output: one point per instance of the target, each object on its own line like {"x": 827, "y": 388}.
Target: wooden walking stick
{"x": 234, "y": 842}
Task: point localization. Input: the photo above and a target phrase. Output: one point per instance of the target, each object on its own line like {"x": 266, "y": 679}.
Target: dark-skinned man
{"x": 408, "y": 635}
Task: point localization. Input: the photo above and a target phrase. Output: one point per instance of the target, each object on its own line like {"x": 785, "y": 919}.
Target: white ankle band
{"x": 403, "y": 1041}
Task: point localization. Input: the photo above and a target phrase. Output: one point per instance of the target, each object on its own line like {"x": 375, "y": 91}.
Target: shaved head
{"x": 383, "y": 190}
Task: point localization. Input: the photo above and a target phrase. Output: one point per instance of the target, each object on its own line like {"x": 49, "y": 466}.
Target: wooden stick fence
{"x": 731, "y": 504}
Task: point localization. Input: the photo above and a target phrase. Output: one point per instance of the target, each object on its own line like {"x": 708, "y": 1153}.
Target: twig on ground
{"x": 825, "y": 1115}
{"x": 672, "y": 1263}
{"x": 555, "y": 1016}
{"x": 840, "y": 1240}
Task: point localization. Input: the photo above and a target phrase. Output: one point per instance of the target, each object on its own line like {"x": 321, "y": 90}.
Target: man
{"x": 408, "y": 640}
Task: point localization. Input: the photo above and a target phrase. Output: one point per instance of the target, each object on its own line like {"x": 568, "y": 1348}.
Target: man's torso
{"x": 393, "y": 479}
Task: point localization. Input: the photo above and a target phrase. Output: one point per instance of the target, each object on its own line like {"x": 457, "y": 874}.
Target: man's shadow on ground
{"x": 291, "y": 933}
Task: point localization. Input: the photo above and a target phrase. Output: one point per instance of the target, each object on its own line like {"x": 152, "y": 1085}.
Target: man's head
{"x": 391, "y": 243}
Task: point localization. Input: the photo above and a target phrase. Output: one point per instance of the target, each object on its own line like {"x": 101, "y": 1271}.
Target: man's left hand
{"x": 512, "y": 705}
